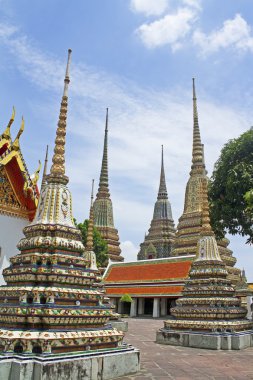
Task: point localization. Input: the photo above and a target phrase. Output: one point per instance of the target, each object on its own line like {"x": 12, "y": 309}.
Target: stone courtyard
{"x": 159, "y": 362}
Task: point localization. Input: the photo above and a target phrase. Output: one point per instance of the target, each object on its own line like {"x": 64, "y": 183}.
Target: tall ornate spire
{"x": 89, "y": 244}
{"x": 43, "y": 181}
{"x": 161, "y": 234}
{"x": 194, "y": 217}
{"x": 57, "y": 171}
{"x": 103, "y": 190}
{"x": 162, "y": 192}
{"x": 197, "y": 148}
{"x": 103, "y": 210}
{"x": 59, "y": 302}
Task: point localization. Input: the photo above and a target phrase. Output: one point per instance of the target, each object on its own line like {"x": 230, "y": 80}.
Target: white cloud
{"x": 7, "y": 30}
{"x": 169, "y": 30}
{"x": 129, "y": 251}
{"x": 193, "y": 3}
{"x": 235, "y": 33}
{"x": 140, "y": 120}
{"x": 149, "y": 7}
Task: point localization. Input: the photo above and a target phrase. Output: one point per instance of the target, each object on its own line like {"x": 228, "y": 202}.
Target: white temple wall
{"x": 11, "y": 231}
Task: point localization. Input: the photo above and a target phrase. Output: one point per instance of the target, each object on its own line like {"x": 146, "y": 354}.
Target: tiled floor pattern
{"x": 160, "y": 362}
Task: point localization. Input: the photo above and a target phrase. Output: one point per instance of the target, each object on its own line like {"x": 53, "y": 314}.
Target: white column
{"x": 133, "y": 309}
{"x": 140, "y": 306}
{"x": 163, "y": 307}
{"x": 156, "y": 308}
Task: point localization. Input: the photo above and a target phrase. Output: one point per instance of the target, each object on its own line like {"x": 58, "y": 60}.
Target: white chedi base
{"x": 96, "y": 366}
{"x": 11, "y": 231}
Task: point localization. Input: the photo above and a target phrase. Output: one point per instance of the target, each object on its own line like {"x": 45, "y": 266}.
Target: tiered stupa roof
{"x": 161, "y": 234}
{"x": 19, "y": 193}
{"x": 208, "y": 302}
{"x": 103, "y": 210}
{"x": 190, "y": 223}
{"x": 52, "y": 302}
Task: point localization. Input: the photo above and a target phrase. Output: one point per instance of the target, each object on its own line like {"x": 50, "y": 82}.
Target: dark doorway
{"x": 170, "y": 303}
{"x": 37, "y": 350}
{"x": 148, "y": 306}
{"x": 126, "y": 308}
{"x": 18, "y": 349}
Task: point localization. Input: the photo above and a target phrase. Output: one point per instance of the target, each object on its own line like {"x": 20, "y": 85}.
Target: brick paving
{"x": 160, "y": 362}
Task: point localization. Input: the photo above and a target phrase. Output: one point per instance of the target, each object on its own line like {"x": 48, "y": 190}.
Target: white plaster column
{"x": 163, "y": 307}
{"x": 156, "y": 308}
{"x": 133, "y": 309}
{"x": 140, "y": 306}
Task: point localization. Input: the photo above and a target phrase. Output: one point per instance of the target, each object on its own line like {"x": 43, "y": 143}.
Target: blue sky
{"x": 136, "y": 57}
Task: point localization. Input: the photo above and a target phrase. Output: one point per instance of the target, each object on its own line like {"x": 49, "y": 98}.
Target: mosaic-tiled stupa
{"x": 103, "y": 210}
{"x": 52, "y": 303}
{"x": 161, "y": 234}
{"x": 208, "y": 301}
{"x": 190, "y": 223}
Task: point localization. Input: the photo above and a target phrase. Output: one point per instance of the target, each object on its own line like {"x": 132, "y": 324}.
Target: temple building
{"x": 18, "y": 194}
{"x": 103, "y": 210}
{"x": 53, "y": 301}
{"x": 208, "y": 302}
{"x": 161, "y": 234}
{"x": 190, "y": 223}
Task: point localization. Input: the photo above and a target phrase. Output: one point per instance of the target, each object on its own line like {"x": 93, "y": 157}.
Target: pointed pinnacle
{"x": 43, "y": 182}
{"x": 57, "y": 171}
{"x": 162, "y": 192}
{"x": 197, "y": 148}
{"x": 103, "y": 190}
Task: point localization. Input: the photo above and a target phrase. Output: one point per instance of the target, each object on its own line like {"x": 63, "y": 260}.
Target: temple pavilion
{"x": 161, "y": 234}
{"x": 53, "y": 300}
{"x": 103, "y": 209}
{"x": 19, "y": 193}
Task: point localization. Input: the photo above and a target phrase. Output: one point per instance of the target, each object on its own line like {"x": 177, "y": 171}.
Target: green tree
{"x": 126, "y": 298}
{"x": 100, "y": 246}
{"x": 231, "y": 188}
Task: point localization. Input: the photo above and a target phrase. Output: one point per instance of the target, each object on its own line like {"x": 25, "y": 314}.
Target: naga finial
{"x": 7, "y": 134}
{"x": 15, "y": 144}
{"x": 35, "y": 177}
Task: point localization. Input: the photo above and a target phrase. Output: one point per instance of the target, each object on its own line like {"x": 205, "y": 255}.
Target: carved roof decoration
{"x": 18, "y": 189}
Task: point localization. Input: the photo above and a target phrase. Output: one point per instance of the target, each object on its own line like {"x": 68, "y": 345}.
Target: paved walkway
{"x": 160, "y": 362}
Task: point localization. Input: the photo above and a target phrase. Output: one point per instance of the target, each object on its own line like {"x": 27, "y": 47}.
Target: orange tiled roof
{"x": 144, "y": 290}
{"x": 144, "y": 272}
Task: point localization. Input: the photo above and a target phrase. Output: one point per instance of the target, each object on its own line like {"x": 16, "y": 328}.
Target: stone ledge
{"x": 119, "y": 325}
{"x": 103, "y": 366}
{"x": 211, "y": 341}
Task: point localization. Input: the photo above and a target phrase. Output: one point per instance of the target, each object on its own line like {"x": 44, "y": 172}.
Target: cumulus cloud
{"x": 235, "y": 33}
{"x": 169, "y": 30}
{"x": 149, "y": 7}
{"x": 129, "y": 251}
